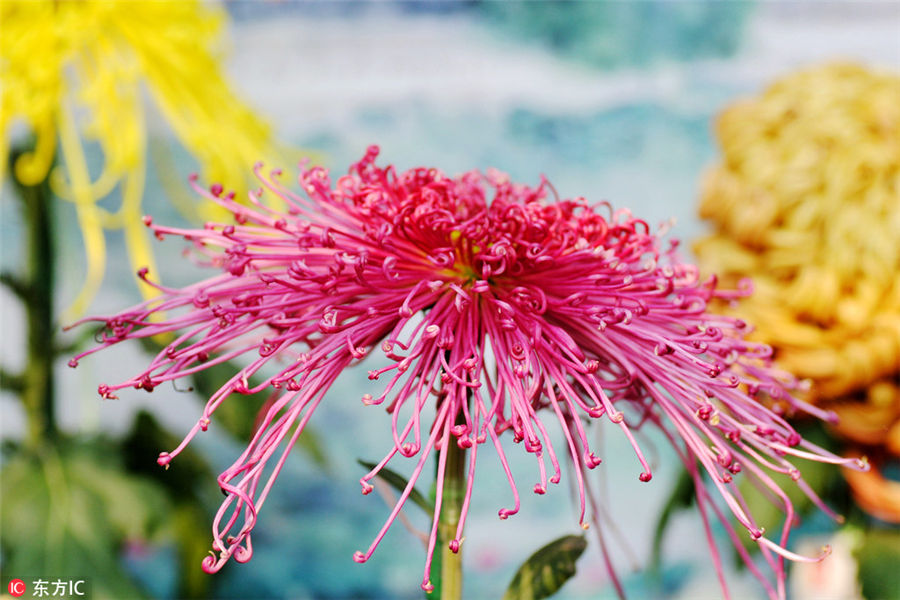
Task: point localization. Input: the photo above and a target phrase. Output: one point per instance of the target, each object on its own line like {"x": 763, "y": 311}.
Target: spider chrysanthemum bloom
{"x": 500, "y": 313}
{"x": 77, "y": 72}
{"x": 806, "y": 202}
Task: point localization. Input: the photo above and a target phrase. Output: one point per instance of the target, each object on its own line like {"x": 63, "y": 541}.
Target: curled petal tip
{"x": 210, "y": 564}
{"x": 106, "y": 393}
{"x": 243, "y": 554}
{"x": 359, "y": 557}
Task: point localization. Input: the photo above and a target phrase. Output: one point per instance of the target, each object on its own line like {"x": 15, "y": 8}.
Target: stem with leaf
{"x": 36, "y": 291}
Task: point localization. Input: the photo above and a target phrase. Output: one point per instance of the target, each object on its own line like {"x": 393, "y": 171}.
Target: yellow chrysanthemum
{"x": 77, "y": 71}
{"x": 806, "y": 202}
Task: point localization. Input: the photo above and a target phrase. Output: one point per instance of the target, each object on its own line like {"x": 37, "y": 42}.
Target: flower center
{"x": 465, "y": 251}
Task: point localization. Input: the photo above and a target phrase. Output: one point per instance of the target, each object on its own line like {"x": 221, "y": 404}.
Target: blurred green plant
{"x": 76, "y": 76}
{"x": 878, "y": 557}
{"x": 69, "y": 508}
{"x": 71, "y": 505}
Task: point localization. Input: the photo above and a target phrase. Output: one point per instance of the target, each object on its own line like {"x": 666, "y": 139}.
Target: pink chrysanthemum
{"x": 498, "y": 314}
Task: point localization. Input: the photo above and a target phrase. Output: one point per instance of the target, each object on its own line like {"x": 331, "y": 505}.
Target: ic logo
{"x": 16, "y": 587}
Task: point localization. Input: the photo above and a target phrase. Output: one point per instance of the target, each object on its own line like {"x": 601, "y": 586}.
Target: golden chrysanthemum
{"x": 77, "y": 72}
{"x": 806, "y": 203}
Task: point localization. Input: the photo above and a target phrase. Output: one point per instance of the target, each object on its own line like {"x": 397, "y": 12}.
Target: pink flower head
{"x": 499, "y": 312}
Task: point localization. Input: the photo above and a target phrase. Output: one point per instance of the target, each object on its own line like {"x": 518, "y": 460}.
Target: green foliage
{"x": 141, "y": 447}
{"x": 189, "y": 527}
{"x": 399, "y": 483}
{"x": 184, "y": 484}
{"x": 771, "y": 516}
{"x": 69, "y": 510}
{"x": 547, "y": 570}
{"x": 821, "y": 477}
{"x": 878, "y": 560}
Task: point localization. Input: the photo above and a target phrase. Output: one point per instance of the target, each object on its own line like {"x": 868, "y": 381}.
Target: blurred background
{"x": 610, "y": 100}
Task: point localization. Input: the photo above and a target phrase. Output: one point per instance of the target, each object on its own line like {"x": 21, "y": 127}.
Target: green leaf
{"x": 190, "y": 483}
{"x": 190, "y": 529}
{"x": 67, "y": 513}
{"x": 680, "y": 498}
{"x": 12, "y": 382}
{"x": 878, "y": 558}
{"x": 399, "y": 483}
{"x": 311, "y": 443}
{"x": 545, "y": 571}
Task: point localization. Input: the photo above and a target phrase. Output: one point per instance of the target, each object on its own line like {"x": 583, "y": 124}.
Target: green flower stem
{"x": 451, "y": 505}
{"x": 37, "y": 380}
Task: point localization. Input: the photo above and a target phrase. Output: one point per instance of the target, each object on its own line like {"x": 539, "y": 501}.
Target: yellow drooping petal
{"x": 88, "y": 214}
{"x": 31, "y": 90}
{"x": 96, "y": 59}
{"x": 130, "y": 220}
